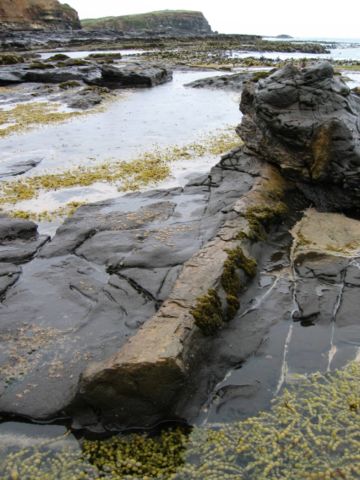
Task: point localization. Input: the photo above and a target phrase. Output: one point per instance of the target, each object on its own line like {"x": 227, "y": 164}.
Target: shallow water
{"x": 341, "y": 53}
{"x": 137, "y": 121}
{"x": 141, "y": 119}
{"x": 85, "y": 53}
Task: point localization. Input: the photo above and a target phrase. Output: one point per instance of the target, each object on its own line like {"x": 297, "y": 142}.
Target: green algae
{"x": 139, "y": 456}
{"x": 11, "y": 59}
{"x": 27, "y": 115}
{"x": 230, "y": 279}
{"x": 140, "y": 172}
{"x": 40, "y": 66}
{"x": 67, "y": 210}
{"x": 207, "y": 313}
{"x": 58, "y": 57}
{"x": 259, "y": 217}
{"x": 148, "y": 169}
{"x": 311, "y": 432}
{"x": 69, "y": 84}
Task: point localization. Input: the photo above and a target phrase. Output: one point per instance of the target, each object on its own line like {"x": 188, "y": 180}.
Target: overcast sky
{"x": 314, "y": 18}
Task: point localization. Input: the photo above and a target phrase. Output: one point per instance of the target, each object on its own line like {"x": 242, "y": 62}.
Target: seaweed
{"x": 207, "y": 313}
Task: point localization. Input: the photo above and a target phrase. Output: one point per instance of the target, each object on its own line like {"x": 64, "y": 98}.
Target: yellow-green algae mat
{"x": 311, "y": 432}
{"x": 149, "y": 168}
{"x": 27, "y": 115}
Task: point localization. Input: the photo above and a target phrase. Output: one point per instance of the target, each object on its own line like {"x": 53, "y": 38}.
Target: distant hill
{"x": 177, "y": 22}
{"x": 37, "y": 14}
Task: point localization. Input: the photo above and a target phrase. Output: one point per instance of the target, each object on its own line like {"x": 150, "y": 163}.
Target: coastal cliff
{"x": 176, "y": 22}
{"x": 37, "y": 15}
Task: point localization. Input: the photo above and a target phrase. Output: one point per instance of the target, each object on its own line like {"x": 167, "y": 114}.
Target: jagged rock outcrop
{"x": 173, "y": 22}
{"x": 308, "y": 123}
{"x": 37, "y": 14}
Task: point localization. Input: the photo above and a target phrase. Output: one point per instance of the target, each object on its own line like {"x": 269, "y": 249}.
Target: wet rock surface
{"x": 297, "y": 317}
{"x": 110, "y": 336}
{"x": 104, "y": 274}
{"x": 233, "y": 82}
{"x": 133, "y": 74}
{"x": 90, "y": 72}
{"x": 11, "y": 169}
{"x": 307, "y": 122}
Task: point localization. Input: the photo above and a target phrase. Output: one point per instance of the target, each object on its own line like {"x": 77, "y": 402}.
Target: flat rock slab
{"x": 18, "y": 168}
{"x": 115, "y": 76}
{"x": 105, "y": 273}
{"x": 232, "y": 82}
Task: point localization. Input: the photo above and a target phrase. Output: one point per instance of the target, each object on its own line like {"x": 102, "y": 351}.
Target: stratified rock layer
{"x": 307, "y": 122}
{"x": 37, "y": 14}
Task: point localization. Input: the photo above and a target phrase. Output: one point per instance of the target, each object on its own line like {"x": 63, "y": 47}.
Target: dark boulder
{"x": 307, "y": 122}
{"x": 134, "y": 75}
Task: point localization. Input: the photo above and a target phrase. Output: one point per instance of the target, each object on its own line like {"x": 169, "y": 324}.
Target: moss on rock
{"x": 259, "y": 217}
{"x": 69, "y": 84}
{"x": 11, "y": 59}
{"x": 208, "y": 313}
{"x": 40, "y": 66}
{"x": 230, "y": 279}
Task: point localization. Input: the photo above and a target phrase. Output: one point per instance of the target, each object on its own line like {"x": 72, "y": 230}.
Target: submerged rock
{"x": 308, "y": 123}
{"x": 18, "y": 168}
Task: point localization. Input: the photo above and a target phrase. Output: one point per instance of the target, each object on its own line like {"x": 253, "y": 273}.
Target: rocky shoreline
{"x": 138, "y": 307}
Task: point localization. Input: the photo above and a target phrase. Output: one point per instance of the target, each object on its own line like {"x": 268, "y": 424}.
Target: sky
{"x": 302, "y": 18}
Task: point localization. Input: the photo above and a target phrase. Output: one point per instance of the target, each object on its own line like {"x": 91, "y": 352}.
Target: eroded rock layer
{"x": 37, "y": 14}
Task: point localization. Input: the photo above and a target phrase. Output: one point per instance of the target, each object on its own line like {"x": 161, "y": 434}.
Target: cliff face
{"x": 177, "y": 22}
{"x": 37, "y": 14}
